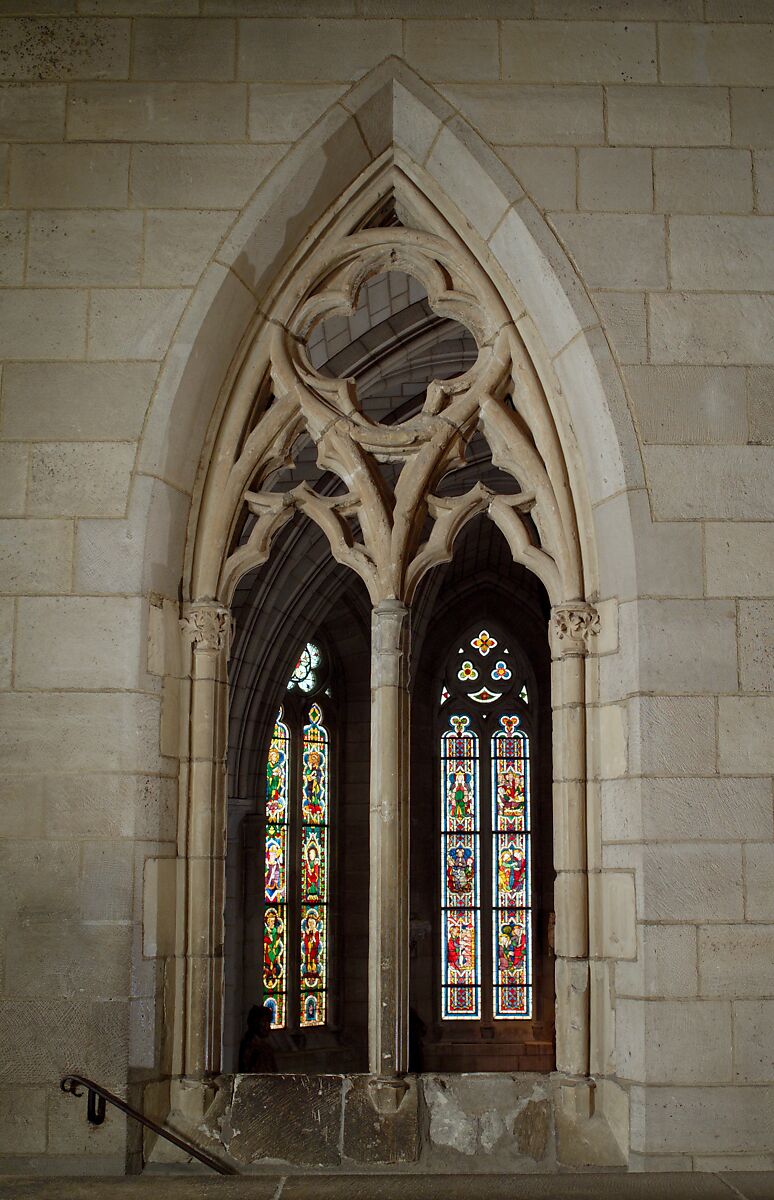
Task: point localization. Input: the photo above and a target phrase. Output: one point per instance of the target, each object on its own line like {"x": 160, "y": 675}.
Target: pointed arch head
{"x": 391, "y": 137}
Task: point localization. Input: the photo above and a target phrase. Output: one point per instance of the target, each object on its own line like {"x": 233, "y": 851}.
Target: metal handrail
{"x": 95, "y": 1114}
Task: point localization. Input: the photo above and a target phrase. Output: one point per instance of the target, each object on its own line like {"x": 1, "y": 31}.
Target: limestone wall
{"x": 132, "y": 133}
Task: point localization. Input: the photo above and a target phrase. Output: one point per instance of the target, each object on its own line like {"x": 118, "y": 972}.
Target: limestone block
{"x": 682, "y": 647}
{"x": 22, "y": 1120}
{"x": 615, "y": 179}
{"x": 716, "y": 253}
{"x": 271, "y": 1117}
{"x": 178, "y": 245}
{"x": 759, "y": 881}
{"x": 42, "y": 323}
{"x": 13, "y": 480}
{"x": 764, "y": 180}
{"x": 536, "y": 115}
{"x": 184, "y": 49}
{"x": 736, "y": 960}
{"x": 686, "y": 882}
{"x": 32, "y": 112}
{"x": 753, "y": 110}
{"x": 702, "y": 181}
{"x": 372, "y": 1137}
{"x": 42, "y": 1039}
{"x": 479, "y": 196}
{"x": 282, "y": 112}
{"x": 679, "y": 404}
{"x": 80, "y": 478}
{"x": 671, "y": 735}
{"x": 441, "y": 8}
{"x": 107, "y": 882}
{"x": 640, "y": 556}
{"x": 675, "y": 116}
{"x": 718, "y": 54}
{"x": 753, "y": 1044}
{"x": 737, "y": 10}
{"x": 142, "y": 552}
{"x": 433, "y": 48}
{"x": 36, "y": 556}
{"x": 69, "y": 1132}
{"x": 720, "y": 328}
{"x": 79, "y": 642}
{"x": 674, "y": 1041}
{"x": 623, "y": 318}
{"x": 718, "y": 482}
{"x": 745, "y": 745}
{"x": 87, "y": 731}
{"x": 156, "y": 112}
{"x": 760, "y": 394}
{"x": 756, "y": 645}
{"x": 31, "y": 895}
{"x": 199, "y": 177}
{"x": 6, "y": 642}
{"x": 64, "y": 49}
{"x": 696, "y": 1119}
{"x": 609, "y": 727}
{"x": 282, "y": 49}
{"x": 486, "y": 1115}
{"x": 606, "y": 10}
{"x": 129, "y": 8}
{"x": 4, "y": 157}
{"x": 61, "y": 958}
{"x": 78, "y": 176}
{"x": 740, "y": 559}
{"x": 687, "y": 810}
{"x": 161, "y": 878}
{"x": 85, "y": 248}
{"x": 48, "y": 401}
{"x": 614, "y": 248}
{"x": 101, "y": 805}
{"x": 135, "y": 324}
{"x": 612, "y": 915}
{"x": 666, "y": 963}
{"x": 578, "y": 52}
{"x": 13, "y": 235}
{"x": 547, "y": 173}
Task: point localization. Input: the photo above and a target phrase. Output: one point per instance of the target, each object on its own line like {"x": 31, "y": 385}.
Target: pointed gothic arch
{"x": 486, "y": 256}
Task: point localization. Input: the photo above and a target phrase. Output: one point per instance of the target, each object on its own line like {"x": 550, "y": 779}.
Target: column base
{"x": 387, "y": 1094}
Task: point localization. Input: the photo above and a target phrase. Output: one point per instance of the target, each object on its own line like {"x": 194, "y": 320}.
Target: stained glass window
{"x": 275, "y": 874}
{"x": 305, "y": 671}
{"x": 485, "y": 852}
{"x": 314, "y": 870}
{"x": 460, "y": 872}
{"x": 511, "y": 870}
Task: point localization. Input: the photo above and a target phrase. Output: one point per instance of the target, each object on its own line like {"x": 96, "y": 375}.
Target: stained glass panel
{"x": 460, "y": 872}
{"x": 511, "y": 871}
{"x": 275, "y": 875}
{"x": 315, "y": 803}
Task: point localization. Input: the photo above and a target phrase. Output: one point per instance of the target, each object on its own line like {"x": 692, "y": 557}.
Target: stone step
{"x": 399, "y": 1186}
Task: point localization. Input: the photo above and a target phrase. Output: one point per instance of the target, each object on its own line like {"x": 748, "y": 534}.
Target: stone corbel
{"x": 572, "y": 628}
{"x": 207, "y": 626}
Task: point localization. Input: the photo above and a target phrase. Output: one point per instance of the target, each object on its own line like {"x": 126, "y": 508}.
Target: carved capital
{"x": 208, "y": 626}
{"x": 572, "y": 627}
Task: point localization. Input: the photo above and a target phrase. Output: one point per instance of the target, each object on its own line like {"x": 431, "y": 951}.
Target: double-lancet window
{"x": 485, "y": 833}
{"x": 297, "y": 852}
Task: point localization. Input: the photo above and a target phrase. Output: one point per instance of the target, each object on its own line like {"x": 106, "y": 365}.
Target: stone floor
{"x": 731, "y": 1186}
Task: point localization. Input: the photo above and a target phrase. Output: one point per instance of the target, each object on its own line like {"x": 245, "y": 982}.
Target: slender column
{"x": 572, "y": 625}
{"x": 389, "y": 847}
{"x": 207, "y": 626}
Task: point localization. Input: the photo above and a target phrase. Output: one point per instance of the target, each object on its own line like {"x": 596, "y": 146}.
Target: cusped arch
{"x": 392, "y": 122}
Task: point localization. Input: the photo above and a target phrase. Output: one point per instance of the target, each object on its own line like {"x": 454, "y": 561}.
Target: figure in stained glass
{"x": 311, "y": 947}
{"x": 510, "y": 798}
{"x": 511, "y": 866}
{"x": 512, "y": 947}
{"x": 311, "y": 881}
{"x": 314, "y": 787}
{"x": 274, "y": 880}
{"x": 273, "y": 949}
{"x": 460, "y": 795}
{"x": 460, "y": 869}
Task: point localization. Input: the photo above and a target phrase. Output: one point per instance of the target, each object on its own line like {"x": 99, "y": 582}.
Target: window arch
{"x": 486, "y": 957}
{"x": 297, "y": 867}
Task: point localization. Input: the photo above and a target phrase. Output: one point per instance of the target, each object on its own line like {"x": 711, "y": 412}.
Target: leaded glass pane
{"x": 511, "y": 872}
{"x": 460, "y": 872}
{"x": 275, "y": 875}
{"x": 315, "y": 815}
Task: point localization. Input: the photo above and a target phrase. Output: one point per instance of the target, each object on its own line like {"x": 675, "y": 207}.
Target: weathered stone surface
{"x": 477, "y": 1115}
{"x": 370, "y": 1137}
{"x": 291, "y": 1118}
{"x": 532, "y": 1128}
